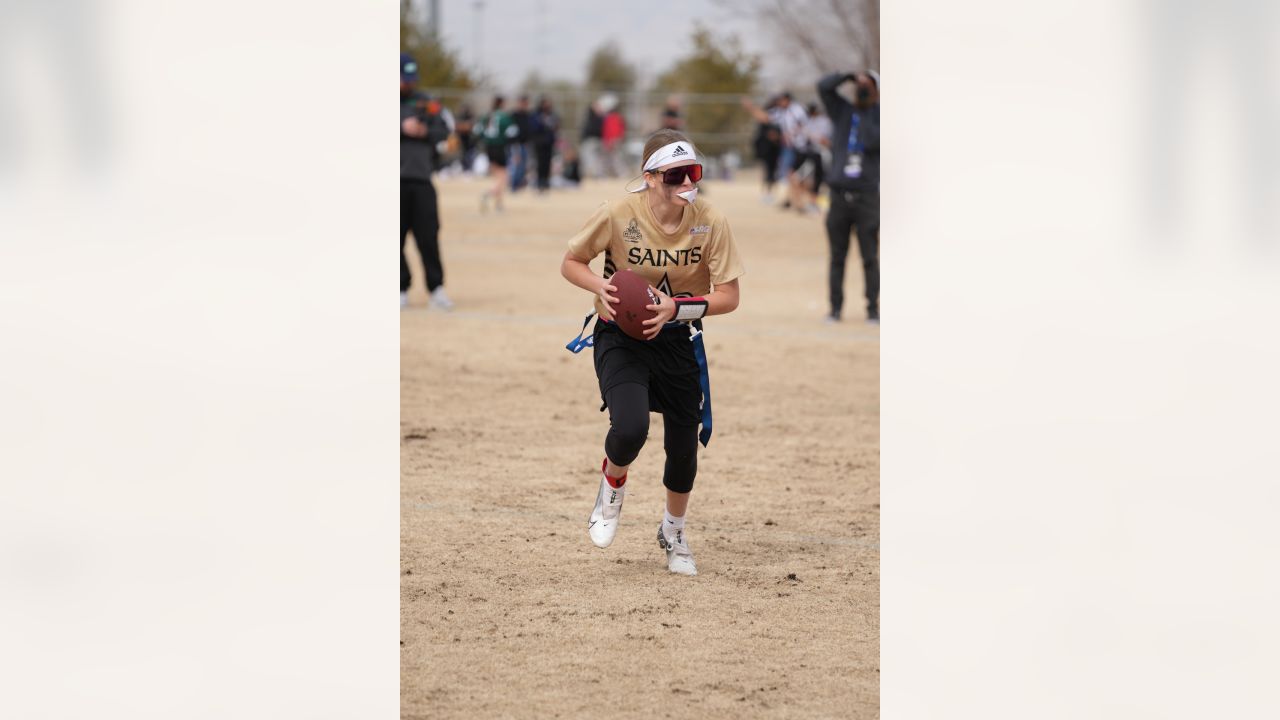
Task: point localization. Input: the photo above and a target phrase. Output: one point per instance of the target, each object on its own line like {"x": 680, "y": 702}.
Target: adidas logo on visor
{"x": 679, "y": 151}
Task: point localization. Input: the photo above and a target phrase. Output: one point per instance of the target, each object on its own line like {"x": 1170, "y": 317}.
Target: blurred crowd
{"x": 832, "y": 142}
{"x": 526, "y": 142}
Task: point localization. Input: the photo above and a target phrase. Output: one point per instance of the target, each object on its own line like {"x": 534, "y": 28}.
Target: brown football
{"x": 633, "y": 294}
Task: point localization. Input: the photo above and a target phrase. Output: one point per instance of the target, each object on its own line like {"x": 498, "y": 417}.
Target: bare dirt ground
{"x": 508, "y": 610}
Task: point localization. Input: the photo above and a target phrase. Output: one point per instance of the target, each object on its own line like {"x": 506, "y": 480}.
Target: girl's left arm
{"x": 722, "y": 299}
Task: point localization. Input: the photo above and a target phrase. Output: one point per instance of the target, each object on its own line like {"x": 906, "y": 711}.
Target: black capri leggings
{"x": 629, "y": 428}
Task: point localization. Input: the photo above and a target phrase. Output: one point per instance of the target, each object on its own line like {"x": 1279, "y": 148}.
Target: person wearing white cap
{"x": 684, "y": 248}
{"x": 854, "y": 178}
{"x": 613, "y": 132}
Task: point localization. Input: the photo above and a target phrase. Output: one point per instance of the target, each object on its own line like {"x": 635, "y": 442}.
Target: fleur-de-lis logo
{"x": 632, "y": 233}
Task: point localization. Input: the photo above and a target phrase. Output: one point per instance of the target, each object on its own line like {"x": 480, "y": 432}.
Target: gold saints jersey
{"x": 687, "y": 263}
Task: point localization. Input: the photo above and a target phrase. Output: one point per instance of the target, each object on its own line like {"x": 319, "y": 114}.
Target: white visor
{"x": 675, "y": 152}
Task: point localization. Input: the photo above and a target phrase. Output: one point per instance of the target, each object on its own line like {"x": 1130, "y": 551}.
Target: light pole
{"x": 476, "y": 30}
{"x": 433, "y": 18}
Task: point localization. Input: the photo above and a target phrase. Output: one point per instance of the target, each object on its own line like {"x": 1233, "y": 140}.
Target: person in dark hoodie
{"x": 854, "y": 178}
{"x": 423, "y": 124}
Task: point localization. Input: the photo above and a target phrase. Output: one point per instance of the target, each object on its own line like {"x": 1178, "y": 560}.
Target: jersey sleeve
{"x": 723, "y": 261}
{"x": 594, "y": 237}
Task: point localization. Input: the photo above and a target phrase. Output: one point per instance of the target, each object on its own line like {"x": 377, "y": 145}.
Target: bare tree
{"x": 818, "y": 36}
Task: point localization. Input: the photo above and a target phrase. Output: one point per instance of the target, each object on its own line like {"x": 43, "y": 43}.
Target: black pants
{"x": 642, "y": 376}
{"x": 819, "y": 172}
{"x": 814, "y": 159}
{"x": 769, "y": 160}
{"x": 852, "y": 211}
{"x": 543, "y": 152}
{"x": 420, "y": 213}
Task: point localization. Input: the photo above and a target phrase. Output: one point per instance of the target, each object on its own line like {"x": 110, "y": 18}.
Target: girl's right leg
{"x": 628, "y": 429}
{"x": 628, "y": 425}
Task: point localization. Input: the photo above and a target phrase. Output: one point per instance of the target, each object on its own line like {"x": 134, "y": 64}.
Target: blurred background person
{"x": 589, "y": 148}
{"x": 544, "y": 129}
{"x": 465, "y": 126}
{"x": 767, "y": 144}
{"x": 612, "y": 134}
{"x": 496, "y": 132}
{"x": 790, "y": 119}
{"x": 423, "y": 126}
{"x": 854, "y": 178}
{"x": 671, "y": 118}
{"x": 801, "y": 169}
{"x": 810, "y": 165}
{"x": 518, "y": 149}
{"x": 570, "y": 170}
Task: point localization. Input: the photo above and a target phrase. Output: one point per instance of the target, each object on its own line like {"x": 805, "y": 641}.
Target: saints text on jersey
{"x": 663, "y": 258}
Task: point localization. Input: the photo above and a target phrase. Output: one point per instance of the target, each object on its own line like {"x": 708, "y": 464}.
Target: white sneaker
{"x": 404, "y": 299}
{"x": 603, "y": 524}
{"x": 679, "y": 557}
{"x": 441, "y": 300}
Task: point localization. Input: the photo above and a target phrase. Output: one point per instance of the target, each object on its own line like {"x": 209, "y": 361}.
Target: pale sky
{"x": 652, "y": 34}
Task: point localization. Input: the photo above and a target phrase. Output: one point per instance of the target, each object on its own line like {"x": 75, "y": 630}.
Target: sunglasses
{"x": 676, "y": 176}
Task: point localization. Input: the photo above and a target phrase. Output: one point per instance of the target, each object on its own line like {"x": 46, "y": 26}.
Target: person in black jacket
{"x": 854, "y": 178}
{"x": 545, "y": 126}
{"x": 423, "y": 124}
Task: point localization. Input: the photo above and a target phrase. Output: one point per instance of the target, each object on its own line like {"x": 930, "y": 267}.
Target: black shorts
{"x": 665, "y": 365}
{"x": 803, "y": 158}
{"x": 497, "y": 154}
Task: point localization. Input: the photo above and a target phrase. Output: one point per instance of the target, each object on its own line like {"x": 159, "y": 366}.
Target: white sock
{"x": 670, "y": 524}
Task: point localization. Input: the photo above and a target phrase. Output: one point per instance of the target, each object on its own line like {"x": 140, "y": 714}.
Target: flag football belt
{"x": 576, "y": 345}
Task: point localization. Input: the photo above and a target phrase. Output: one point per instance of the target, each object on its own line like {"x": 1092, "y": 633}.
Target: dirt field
{"x": 508, "y": 610}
